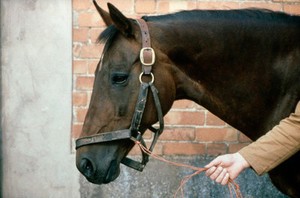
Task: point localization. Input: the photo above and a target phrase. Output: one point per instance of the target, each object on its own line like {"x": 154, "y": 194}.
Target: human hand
{"x": 226, "y": 167}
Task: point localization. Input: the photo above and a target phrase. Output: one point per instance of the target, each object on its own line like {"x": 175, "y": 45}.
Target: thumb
{"x": 215, "y": 162}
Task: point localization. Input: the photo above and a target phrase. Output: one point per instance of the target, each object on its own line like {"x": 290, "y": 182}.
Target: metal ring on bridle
{"x": 152, "y": 77}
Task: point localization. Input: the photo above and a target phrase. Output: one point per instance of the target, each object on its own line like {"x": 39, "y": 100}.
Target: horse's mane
{"x": 255, "y": 14}
{"x": 245, "y": 14}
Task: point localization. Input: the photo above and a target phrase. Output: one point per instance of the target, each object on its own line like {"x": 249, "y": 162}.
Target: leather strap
{"x": 146, "y": 42}
{"x": 103, "y": 137}
{"x": 147, "y": 55}
{"x": 139, "y": 107}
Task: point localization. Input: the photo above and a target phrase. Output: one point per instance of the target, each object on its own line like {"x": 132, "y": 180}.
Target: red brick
{"x": 183, "y": 134}
{"x": 80, "y": 66}
{"x": 91, "y": 51}
{"x": 175, "y": 6}
{"x": 264, "y": 5}
{"x": 76, "y": 49}
{"x": 81, "y": 4}
{"x": 125, "y": 6}
{"x": 184, "y": 118}
{"x": 212, "y": 120}
{"x": 217, "y": 5}
{"x": 158, "y": 149}
{"x": 183, "y": 104}
{"x": 292, "y": 9}
{"x": 80, "y": 99}
{"x": 216, "y": 134}
{"x": 191, "y": 5}
{"x": 94, "y": 34}
{"x": 148, "y": 135}
{"x": 236, "y": 147}
{"x": 84, "y": 83}
{"x": 80, "y": 114}
{"x": 90, "y": 19}
{"x": 199, "y": 107}
{"x": 145, "y": 6}
{"x": 216, "y": 149}
{"x": 76, "y": 130}
{"x": 183, "y": 148}
{"x": 163, "y": 7}
{"x": 92, "y": 65}
{"x": 80, "y": 34}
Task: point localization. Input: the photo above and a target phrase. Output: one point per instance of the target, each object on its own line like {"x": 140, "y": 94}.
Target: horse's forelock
{"x": 107, "y": 35}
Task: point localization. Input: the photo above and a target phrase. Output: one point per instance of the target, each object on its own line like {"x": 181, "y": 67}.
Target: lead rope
{"x": 232, "y": 186}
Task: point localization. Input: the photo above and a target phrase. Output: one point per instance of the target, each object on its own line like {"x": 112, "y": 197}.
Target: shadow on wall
{"x": 159, "y": 180}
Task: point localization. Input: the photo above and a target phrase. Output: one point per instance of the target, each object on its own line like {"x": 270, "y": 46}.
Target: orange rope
{"x": 232, "y": 186}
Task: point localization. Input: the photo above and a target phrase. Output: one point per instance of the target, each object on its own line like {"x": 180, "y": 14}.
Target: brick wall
{"x": 190, "y": 129}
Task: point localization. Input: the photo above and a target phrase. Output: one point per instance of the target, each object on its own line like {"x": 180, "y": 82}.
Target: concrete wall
{"x": 36, "y": 91}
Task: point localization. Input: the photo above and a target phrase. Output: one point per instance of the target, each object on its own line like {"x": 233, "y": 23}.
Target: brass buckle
{"x": 142, "y": 56}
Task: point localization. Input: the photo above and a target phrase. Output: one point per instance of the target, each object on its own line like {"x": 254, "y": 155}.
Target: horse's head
{"x": 114, "y": 99}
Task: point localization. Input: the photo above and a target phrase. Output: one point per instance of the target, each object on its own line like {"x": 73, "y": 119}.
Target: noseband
{"x": 147, "y": 59}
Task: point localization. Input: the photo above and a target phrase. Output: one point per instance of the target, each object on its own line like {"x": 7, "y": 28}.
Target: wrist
{"x": 243, "y": 161}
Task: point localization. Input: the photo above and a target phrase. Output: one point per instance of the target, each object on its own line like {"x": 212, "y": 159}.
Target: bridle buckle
{"x": 147, "y": 56}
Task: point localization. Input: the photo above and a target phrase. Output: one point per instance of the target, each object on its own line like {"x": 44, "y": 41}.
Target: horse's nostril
{"x": 87, "y": 167}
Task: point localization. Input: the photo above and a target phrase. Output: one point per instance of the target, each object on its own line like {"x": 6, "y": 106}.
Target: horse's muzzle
{"x": 96, "y": 171}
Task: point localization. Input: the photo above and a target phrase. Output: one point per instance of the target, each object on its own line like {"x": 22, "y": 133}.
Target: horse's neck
{"x": 196, "y": 54}
{"x": 217, "y": 72}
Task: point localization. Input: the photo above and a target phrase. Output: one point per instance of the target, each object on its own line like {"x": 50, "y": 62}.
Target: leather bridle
{"x": 147, "y": 59}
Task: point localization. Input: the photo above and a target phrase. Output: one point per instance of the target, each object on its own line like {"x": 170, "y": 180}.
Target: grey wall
{"x": 36, "y": 66}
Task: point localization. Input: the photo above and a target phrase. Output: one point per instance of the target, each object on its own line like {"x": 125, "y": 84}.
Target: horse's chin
{"x": 112, "y": 173}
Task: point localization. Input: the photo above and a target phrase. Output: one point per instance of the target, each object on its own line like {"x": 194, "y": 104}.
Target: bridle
{"x": 147, "y": 59}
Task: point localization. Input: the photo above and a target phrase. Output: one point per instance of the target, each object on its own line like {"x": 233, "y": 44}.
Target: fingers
{"x": 216, "y": 173}
{"x": 210, "y": 171}
{"x": 219, "y": 174}
{"x": 225, "y": 179}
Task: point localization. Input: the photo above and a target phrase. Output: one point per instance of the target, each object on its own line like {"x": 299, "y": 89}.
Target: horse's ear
{"x": 105, "y": 15}
{"x": 120, "y": 21}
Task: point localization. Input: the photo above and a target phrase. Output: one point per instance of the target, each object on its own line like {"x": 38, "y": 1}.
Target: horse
{"x": 241, "y": 65}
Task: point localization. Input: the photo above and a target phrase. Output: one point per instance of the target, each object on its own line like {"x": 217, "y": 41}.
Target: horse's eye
{"x": 119, "y": 79}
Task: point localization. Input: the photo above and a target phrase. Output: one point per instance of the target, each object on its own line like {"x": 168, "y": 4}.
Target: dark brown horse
{"x": 242, "y": 65}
